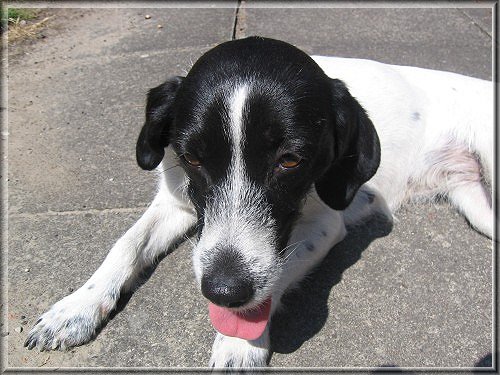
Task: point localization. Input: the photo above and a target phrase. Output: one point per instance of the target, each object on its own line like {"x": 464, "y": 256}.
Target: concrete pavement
{"x": 418, "y": 294}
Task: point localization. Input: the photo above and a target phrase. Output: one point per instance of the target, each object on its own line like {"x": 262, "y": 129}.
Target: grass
{"x": 19, "y": 14}
{"x": 21, "y": 23}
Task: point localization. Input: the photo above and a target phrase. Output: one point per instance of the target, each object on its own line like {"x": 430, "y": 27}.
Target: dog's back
{"x": 436, "y": 132}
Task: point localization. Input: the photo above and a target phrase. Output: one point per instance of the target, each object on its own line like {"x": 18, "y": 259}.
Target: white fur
{"x": 432, "y": 126}
{"x": 235, "y": 352}
{"x": 428, "y": 122}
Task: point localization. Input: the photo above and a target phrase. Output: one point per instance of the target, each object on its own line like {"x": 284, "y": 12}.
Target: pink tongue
{"x": 248, "y": 326}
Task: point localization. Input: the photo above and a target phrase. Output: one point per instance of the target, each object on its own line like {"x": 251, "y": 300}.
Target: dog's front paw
{"x": 70, "y": 322}
{"x": 236, "y": 353}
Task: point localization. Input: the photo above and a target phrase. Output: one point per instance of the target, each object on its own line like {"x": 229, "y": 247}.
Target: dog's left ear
{"x": 154, "y": 136}
{"x": 356, "y": 150}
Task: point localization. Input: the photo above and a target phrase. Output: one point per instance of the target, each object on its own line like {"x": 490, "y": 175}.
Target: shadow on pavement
{"x": 306, "y": 309}
{"x": 486, "y": 361}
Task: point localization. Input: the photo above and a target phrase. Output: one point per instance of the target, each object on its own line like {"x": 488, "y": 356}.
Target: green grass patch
{"x": 18, "y": 14}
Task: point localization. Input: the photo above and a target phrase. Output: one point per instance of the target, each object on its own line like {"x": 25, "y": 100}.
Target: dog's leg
{"x": 74, "y": 319}
{"x": 235, "y": 352}
{"x": 473, "y": 201}
{"x": 317, "y": 230}
{"x": 452, "y": 170}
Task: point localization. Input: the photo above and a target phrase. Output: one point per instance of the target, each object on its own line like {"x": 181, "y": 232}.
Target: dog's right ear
{"x": 154, "y": 136}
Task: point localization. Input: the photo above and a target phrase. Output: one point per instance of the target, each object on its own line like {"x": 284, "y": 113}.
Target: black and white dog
{"x": 278, "y": 153}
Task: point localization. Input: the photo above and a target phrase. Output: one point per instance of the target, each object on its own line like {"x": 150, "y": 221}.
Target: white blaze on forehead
{"x": 236, "y": 125}
{"x": 237, "y": 181}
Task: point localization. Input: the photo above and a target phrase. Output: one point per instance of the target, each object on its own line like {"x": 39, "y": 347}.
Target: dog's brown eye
{"x": 289, "y": 161}
{"x": 191, "y": 160}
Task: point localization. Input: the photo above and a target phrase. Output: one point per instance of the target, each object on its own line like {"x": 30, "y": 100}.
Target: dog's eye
{"x": 191, "y": 160}
{"x": 289, "y": 161}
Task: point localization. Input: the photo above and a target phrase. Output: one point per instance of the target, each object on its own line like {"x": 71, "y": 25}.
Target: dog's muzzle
{"x": 228, "y": 285}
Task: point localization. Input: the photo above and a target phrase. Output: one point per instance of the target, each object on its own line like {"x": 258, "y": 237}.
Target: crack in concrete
{"x": 239, "y": 27}
{"x": 91, "y": 59}
{"x": 470, "y": 18}
{"x": 92, "y": 211}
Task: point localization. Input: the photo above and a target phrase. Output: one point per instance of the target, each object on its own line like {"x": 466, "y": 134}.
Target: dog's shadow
{"x": 306, "y": 308}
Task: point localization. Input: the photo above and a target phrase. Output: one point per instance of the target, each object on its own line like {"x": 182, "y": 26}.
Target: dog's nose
{"x": 227, "y": 292}
{"x": 226, "y": 283}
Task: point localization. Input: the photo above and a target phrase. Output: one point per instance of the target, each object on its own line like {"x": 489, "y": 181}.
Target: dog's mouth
{"x": 247, "y": 325}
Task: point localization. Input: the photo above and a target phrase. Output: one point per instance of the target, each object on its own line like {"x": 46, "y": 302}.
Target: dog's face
{"x": 255, "y": 124}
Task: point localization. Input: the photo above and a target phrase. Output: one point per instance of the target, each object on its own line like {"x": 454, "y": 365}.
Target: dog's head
{"x": 255, "y": 124}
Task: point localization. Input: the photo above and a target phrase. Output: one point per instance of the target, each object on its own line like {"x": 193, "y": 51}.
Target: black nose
{"x": 227, "y": 283}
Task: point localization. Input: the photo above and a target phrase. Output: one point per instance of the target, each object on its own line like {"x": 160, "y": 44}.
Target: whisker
{"x": 169, "y": 168}
{"x": 287, "y": 247}
{"x": 182, "y": 186}
{"x": 190, "y": 241}
{"x": 293, "y": 251}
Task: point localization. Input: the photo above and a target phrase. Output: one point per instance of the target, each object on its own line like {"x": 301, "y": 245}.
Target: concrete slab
{"x": 437, "y": 38}
{"x": 417, "y": 294}
{"x": 82, "y": 89}
{"x": 158, "y": 327}
{"x": 97, "y": 101}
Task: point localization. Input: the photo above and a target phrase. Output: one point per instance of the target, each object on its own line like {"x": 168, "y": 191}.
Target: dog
{"x": 267, "y": 155}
